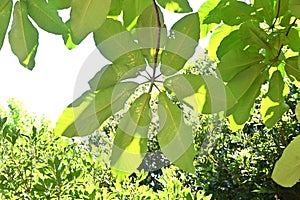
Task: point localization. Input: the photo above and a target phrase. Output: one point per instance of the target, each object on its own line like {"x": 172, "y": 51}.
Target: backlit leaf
{"x": 178, "y": 6}
{"x": 130, "y": 142}
{"x": 46, "y": 17}
{"x": 132, "y": 9}
{"x": 273, "y": 105}
{"x": 23, "y": 36}
{"x": 181, "y": 44}
{"x": 86, "y": 17}
{"x": 175, "y": 138}
{"x": 287, "y": 169}
{"x": 5, "y": 13}
{"x": 294, "y": 6}
{"x": 90, "y": 110}
{"x": 236, "y": 61}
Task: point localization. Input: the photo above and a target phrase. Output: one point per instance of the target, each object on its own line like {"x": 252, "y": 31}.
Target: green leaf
{"x": 130, "y": 142}
{"x": 60, "y": 4}
{"x": 86, "y": 17}
{"x": 46, "y": 17}
{"x": 265, "y": 10}
{"x": 297, "y": 111}
{"x": 217, "y": 36}
{"x": 215, "y": 15}
{"x": 294, "y": 40}
{"x": 23, "y": 36}
{"x": 236, "y": 12}
{"x": 204, "y": 94}
{"x": 203, "y": 12}
{"x": 294, "y": 6}
{"x": 243, "y": 81}
{"x": 115, "y": 7}
{"x": 132, "y": 9}
{"x": 292, "y": 68}
{"x": 242, "y": 110}
{"x": 181, "y": 44}
{"x": 117, "y": 45}
{"x": 147, "y": 32}
{"x": 178, "y": 6}
{"x": 110, "y": 75}
{"x": 175, "y": 138}
{"x": 273, "y": 105}
{"x": 236, "y": 61}
{"x": 231, "y": 41}
{"x": 90, "y": 110}
{"x": 253, "y": 35}
{"x": 5, "y": 13}
{"x": 287, "y": 169}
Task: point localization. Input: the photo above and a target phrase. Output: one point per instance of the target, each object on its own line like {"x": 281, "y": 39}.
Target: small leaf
{"x": 175, "y": 138}
{"x": 242, "y": 110}
{"x": 273, "y": 105}
{"x": 60, "y": 4}
{"x": 253, "y": 35}
{"x": 203, "y": 11}
{"x": 177, "y": 6}
{"x": 5, "y": 13}
{"x": 90, "y": 110}
{"x": 86, "y": 18}
{"x": 287, "y": 169}
{"x": 204, "y": 94}
{"x": 117, "y": 45}
{"x": 23, "y": 36}
{"x": 147, "y": 32}
{"x": 217, "y": 36}
{"x": 132, "y": 9}
{"x": 294, "y": 6}
{"x": 181, "y": 44}
{"x": 46, "y": 17}
{"x": 236, "y": 61}
{"x": 130, "y": 142}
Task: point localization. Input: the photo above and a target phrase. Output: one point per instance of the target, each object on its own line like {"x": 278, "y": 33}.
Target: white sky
{"x": 49, "y": 87}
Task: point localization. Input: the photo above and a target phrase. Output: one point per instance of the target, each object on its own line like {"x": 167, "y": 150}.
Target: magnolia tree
{"x": 255, "y": 44}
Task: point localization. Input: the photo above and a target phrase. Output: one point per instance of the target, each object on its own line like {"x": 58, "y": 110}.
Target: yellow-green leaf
{"x": 23, "y": 36}
{"x": 175, "y": 138}
{"x": 46, "y": 16}
{"x": 90, "y": 110}
{"x": 130, "y": 142}
{"x": 87, "y": 16}
{"x": 5, "y": 13}
{"x": 178, "y": 6}
{"x": 294, "y": 6}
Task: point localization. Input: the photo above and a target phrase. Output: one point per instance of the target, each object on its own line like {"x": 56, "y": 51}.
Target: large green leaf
{"x": 5, "y": 13}
{"x": 287, "y": 169}
{"x": 243, "y": 81}
{"x": 292, "y": 68}
{"x": 235, "y": 61}
{"x": 294, "y": 40}
{"x": 60, "y": 4}
{"x": 231, "y": 41}
{"x": 203, "y": 11}
{"x": 23, "y": 36}
{"x": 90, "y": 110}
{"x": 181, "y": 44}
{"x": 178, "y": 6}
{"x": 253, "y": 35}
{"x": 294, "y": 6}
{"x": 265, "y": 10}
{"x": 242, "y": 110}
{"x": 130, "y": 142}
{"x": 46, "y": 16}
{"x": 204, "y": 94}
{"x": 217, "y": 36}
{"x": 175, "y": 138}
{"x": 117, "y": 45}
{"x": 132, "y": 9}
{"x": 147, "y": 32}
{"x": 115, "y": 7}
{"x": 86, "y": 17}
{"x": 273, "y": 105}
